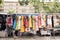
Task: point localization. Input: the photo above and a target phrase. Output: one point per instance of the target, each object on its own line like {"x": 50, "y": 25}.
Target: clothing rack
{"x": 26, "y": 14}
{"x": 34, "y": 14}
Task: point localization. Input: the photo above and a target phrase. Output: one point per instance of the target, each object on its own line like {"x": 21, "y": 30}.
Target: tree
{"x": 53, "y": 7}
{"x": 1, "y": 4}
{"x": 0, "y": 1}
{"x": 23, "y": 2}
{"x": 57, "y": 7}
{"x": 35, "y": 4}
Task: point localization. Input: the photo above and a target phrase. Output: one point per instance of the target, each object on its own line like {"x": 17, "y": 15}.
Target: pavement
{"x": 34, "y": 38}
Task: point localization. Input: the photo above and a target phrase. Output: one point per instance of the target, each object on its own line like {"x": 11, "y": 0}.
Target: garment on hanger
{"x": 22, "y": 26}
{"x": 30, "y": 22}
{"x": 56, "y": 23}
{"x": 26, "y": 20}
{"x": 39, "y": 21}
{"x": 52, "y": 21}
{"x": 9, "y": 21}
{"x": 34, "y": 23}
{"x": 2, "y": 22}
{"x": 14, "y": 22}
{"x": 37, "y": 28}
{"x": 20, "y": 22}
{"x": 26, "y": 23}
{"x": 42, "y": 21}
{"x": 17, "y": 22}
{"x": 46, "y": 21}
{"x": 49, "y": 22}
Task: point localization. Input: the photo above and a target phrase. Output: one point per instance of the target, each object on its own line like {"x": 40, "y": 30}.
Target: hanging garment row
{"x": 5, "y": 21}
{"x": 26, "y": 23}
{"x": 32, "y": 22}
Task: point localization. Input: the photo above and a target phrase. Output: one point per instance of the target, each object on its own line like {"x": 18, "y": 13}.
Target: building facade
{"x": 49, "y": 0}
{"x": 15, "y": 7}
{"x": 10, "y": 6}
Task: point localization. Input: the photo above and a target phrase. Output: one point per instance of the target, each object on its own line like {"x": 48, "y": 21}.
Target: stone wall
{"x": 18, "y": 8}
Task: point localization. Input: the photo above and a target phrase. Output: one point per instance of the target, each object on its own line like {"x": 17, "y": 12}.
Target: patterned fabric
{"x": 26, "y": 21}
{"x": 9, "y": 21}
{"x": 18, "y": 23}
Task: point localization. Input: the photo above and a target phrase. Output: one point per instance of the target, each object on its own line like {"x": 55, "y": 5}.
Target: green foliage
{"x": 26, "y": 2}
{"x": 46, "y": 8}
{"x": 36, "y": 5}
{"x": 0, "y": 1}
{"x": 53, "y": 7}
{"x": 11, "y": 11}
{"x": 23, "y": 2}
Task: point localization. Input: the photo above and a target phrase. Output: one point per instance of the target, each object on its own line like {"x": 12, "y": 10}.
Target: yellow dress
{"x": 34, "y": 23}
{"x": 30, "y": 22}
{"x": 44, "y": 20}
{"x": 22, "y": 24}
{"x": 17, "y": 23}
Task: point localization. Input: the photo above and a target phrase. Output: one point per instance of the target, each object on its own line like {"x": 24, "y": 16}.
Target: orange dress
{"x": 22, "y": 24}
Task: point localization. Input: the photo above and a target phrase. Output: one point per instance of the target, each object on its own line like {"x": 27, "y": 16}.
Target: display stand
{"x": 35, "y": 14}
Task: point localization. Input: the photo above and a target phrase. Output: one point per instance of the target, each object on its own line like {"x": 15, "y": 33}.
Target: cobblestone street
{"x": 33, "y": 38}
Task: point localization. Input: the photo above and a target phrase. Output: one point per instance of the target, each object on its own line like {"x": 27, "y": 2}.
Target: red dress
{"x": 9, "y": 21}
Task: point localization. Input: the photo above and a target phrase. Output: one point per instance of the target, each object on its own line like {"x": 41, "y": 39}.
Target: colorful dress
{"x": 22, "y": 24}
{"x": 39, "y": 21}
{"x": 26, "y": 23}
{"x": 37, "y": 28}
{"x": 14, "y": 22}
{"x": 49, "y": 22}
{"x": 9, "y": 21}
{"x": 18, "y": 23}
